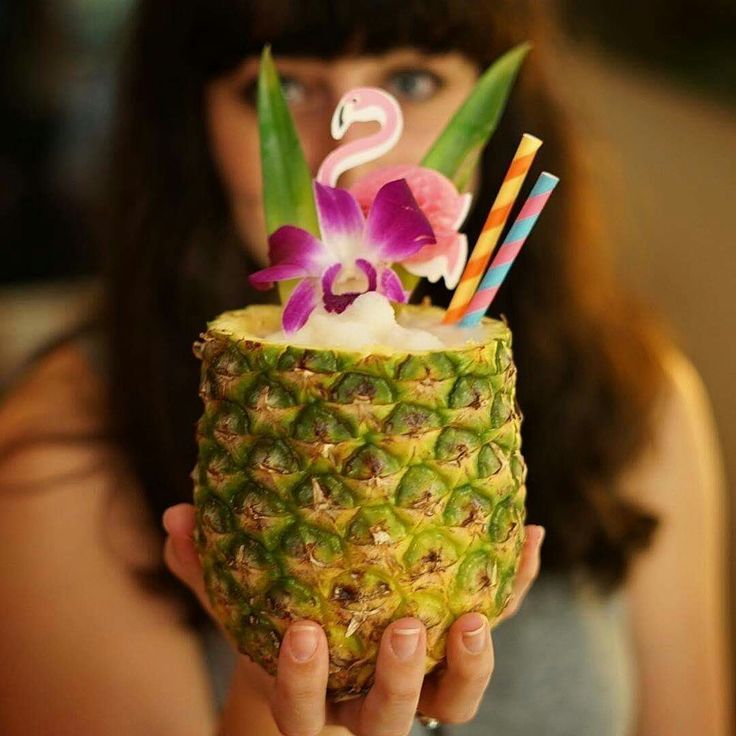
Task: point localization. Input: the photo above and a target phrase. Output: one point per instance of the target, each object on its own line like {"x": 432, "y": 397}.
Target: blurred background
{"x": 652, "y": 88}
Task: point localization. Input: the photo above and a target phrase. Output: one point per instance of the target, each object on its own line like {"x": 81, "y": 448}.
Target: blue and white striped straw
{"x": 509, "y": 250}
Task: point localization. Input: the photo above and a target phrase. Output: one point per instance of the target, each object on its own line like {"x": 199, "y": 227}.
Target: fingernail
{"x": 302, "y": 642}
{"x": 542, "y": 535}
{"x": 474, "y": 639}
{"x": 165, "y": 520}
{"x": 404, "y": 642}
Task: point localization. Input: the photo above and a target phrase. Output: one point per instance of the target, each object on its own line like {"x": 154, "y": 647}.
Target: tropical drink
{"x": 355, "y": 486}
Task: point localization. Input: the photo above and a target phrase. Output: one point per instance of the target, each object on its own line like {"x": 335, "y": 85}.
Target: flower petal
{"x": 389, "y": 284}
{"x": 264, "y": 279}
{"x": 338, "y": 303}
{"x": 396, "y": 228}
{"x": 445, "y": 259}
{"x": 294, "y": 253}
{"x": 464, "y": 204}
{"x": 367, "y": 268}
{"x": 301, "y": 304}
{"x": 340, "y": 221}
{"x": 294, "y": 246}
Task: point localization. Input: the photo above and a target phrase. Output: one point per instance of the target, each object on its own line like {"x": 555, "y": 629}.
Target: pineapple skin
{"x": 353, "y": 489}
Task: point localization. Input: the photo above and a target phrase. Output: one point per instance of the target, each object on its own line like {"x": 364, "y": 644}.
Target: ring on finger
{"x": 431, "y": 724}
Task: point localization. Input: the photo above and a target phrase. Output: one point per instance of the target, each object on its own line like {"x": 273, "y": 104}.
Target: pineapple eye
{"x": 414, "y": 85}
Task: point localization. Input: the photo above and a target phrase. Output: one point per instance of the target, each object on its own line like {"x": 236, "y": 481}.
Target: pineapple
{"x": 354, "y": 488}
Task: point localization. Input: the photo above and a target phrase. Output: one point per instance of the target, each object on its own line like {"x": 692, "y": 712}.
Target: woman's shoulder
{"x": 60, "y": 468}
{"x": 684, "y": 385}
{"x": 684, "y": 451}
{"x": 60, "y": 377}
{"x": 684, "y": 412}
{"x": 56, "y": 408}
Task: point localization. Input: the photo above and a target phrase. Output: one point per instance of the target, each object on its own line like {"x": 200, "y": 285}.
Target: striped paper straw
{"x": 494, "y": 225}
{"x": 510, "y": 248}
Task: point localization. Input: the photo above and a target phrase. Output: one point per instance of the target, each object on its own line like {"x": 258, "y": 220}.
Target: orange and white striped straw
{"x": 494, "y": 225}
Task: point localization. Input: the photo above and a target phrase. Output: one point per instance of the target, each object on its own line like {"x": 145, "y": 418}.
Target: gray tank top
{"x": 563, "y": 664}
{"x": 563, "y": 668}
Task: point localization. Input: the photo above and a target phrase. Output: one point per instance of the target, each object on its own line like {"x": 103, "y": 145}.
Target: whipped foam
{"x": 371, "y": 323}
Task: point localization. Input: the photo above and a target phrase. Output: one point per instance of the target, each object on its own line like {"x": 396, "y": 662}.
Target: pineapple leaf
{"x": 408, "y": 280}
{"x": 458, "y": 147}
{"x": 288, "y": 198}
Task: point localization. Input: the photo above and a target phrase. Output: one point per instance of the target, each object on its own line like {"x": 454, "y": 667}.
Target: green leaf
{"x": 408, "y": 280}
{"x": 456, "y": 151}
{"x": 288, "y": 198}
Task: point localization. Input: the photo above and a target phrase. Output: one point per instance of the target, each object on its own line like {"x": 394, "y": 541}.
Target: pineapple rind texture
{"x": 353, "y": 489}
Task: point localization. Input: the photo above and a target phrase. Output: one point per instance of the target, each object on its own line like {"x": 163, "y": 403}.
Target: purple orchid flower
{"x": 354, "y": 255}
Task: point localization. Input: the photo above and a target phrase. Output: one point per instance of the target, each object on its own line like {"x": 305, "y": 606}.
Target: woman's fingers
{"x": 391, "y": 705}
{"x": 180, "y": 554}
{"x": 301, "y": 682}
{"x": 455, "y": 695}
{"x": 528, "y": 570}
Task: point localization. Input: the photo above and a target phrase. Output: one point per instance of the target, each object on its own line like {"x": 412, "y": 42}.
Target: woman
{"x": 97, "y": 441}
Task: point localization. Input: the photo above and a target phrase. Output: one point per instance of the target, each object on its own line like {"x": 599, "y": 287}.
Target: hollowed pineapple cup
{"x": 353, "y": 488}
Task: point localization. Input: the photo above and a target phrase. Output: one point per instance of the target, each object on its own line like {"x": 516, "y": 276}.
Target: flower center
{"x": 350, "y": 280}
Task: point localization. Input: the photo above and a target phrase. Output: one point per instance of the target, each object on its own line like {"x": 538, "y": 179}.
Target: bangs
{"x": 227, "y": 31}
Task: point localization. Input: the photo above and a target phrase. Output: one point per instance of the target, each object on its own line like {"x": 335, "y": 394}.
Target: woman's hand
{"x": 297, "y": 693}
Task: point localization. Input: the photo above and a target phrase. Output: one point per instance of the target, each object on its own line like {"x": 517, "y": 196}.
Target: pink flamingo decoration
{"x": 361, "y": 105}
{"x": 436, "y": 195}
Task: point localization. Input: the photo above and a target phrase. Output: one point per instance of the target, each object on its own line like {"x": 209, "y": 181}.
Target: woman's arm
{"x": 678, "y": 588}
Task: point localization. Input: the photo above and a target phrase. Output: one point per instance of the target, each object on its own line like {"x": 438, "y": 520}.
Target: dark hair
{"x": 588, "y": 368}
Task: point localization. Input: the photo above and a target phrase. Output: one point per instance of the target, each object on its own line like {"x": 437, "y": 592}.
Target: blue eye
{"x": 414, "y": 85}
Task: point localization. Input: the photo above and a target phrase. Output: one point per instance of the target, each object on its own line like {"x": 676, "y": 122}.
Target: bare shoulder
{"x": 57, "y": 403}
{"x": 685, "y": 394}
{"x": 684, "y": 452}
{"x": 59, "y": 465}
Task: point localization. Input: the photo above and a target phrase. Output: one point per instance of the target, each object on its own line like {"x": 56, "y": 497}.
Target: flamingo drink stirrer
{"x": 361, "y": 105}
